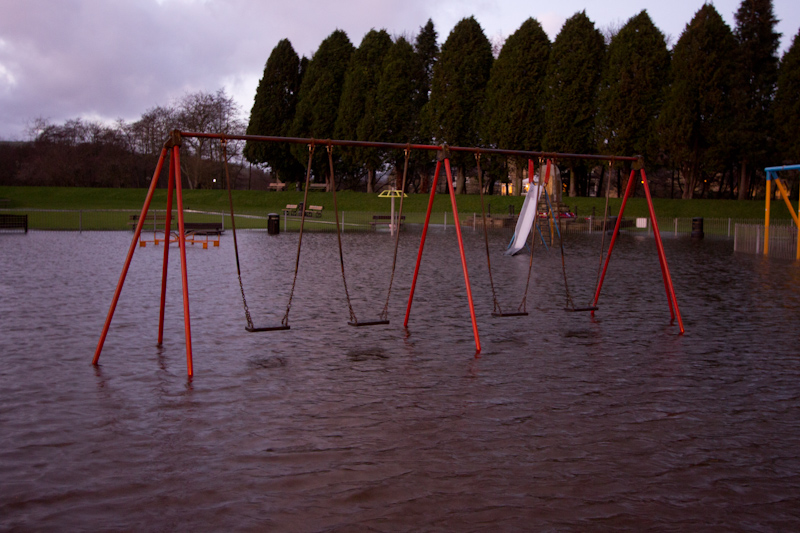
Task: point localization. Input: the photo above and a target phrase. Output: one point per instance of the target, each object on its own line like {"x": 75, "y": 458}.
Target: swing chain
{"x": 339, "y": 234}
{"x": 384, "y": 315}
{"x": 496, "y": 304}
{"x": 570, "y": 304}
{"x": 523, "y": 305}
{"x": 285, "y": 319}
{"x": 605, "y": 230}
{"x": 224, "y": 143}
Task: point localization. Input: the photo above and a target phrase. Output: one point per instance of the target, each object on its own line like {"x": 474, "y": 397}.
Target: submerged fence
{"x": 126, "y": 219}
{"x": 749, "y": 238}
{"x": 122, "y": 219}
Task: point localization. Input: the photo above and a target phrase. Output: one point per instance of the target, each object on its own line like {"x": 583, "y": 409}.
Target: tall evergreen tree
{"x": 356, "y": 108}
{"x": 320, "y": 92}
{"x": 427, "y": 49}
{"x": 395, "y": 107}
{"x": 458, "y": 89}
{"x": 633, "y": 89}
{"x": 273, "y": 112}
{"x": 514, "y": 108}
{"x": 757, "y": 69}
{"x": 573, "y": 79}
{"x": 697, "y": 113}
{"x": 787, "y": 104}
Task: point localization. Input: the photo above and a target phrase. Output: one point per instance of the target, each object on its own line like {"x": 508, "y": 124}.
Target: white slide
{"x": 527, "y": 216}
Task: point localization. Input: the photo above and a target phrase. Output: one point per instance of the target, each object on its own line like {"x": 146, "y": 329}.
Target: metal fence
{"x": 122, "y": 219}
{"x": 749, "y": 238}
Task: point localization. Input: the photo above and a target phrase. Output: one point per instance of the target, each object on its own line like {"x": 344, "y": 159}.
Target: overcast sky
{"x": 108, "y": 59}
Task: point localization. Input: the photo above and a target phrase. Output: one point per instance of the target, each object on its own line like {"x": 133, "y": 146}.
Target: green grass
{"x": 270, "y": 201}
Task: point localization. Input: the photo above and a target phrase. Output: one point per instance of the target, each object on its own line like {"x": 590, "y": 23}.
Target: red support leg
{"x": 167, "y": 225}
{"x": 662, "y": 261}
{"x": 422, "y": 241}
{"x": 176, "y": 161}
{"x": 463, "y": 257}
{"x": 132, "y": 249}
{"x": 673, "y": 301}
{"x": 613, "y": 238}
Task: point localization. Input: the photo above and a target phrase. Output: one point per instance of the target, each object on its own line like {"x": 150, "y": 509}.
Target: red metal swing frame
{"x": 172, "y": 147}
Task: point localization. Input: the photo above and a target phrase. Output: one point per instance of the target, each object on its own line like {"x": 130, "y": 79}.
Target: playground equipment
{"x": 674, "y": 311}
{"x": 384, "y": 315}
{"x": 284, "y": 325}
{"x": 394, "y": 224}
{"x": 529, "y": 213}
{"x": 592, "y": 305}
{"x": 772, "y": 175}
{"x": 527, "y": 217}
{"x": 172, "y": 148}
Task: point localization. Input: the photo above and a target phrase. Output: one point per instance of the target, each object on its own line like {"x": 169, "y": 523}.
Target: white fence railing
{"x": 749, "y": 238}
{"x": 747, "y": 234}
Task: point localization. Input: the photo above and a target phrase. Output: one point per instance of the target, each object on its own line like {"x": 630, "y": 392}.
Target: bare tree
{"x": 208, "y": 113}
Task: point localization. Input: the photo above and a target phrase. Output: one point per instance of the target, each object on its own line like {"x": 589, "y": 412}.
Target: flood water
{"x": 564, "y": 421}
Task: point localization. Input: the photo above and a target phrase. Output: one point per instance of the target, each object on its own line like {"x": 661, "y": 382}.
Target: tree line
{"x": 86, "y": 153}
{"x": 708, "y": 114}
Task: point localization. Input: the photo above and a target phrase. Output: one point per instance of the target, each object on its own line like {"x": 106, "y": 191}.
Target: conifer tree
{"x": 458, "y": 89}
{"x": 697, "y": 114}
{"x": 633, "y": 88}
{"x": 573, "y": 78}
{"x": 514, "y": 108}
{"x": 427, "y": 50}
{"x": 426, "y": 47}
{"x": 320, "y": 92}
{"x": 757, "y": 76}
{"x": 787, "y": 104}
{"x": 395, "y": 107}
{"x": 273, "y": 112}
{"x": 357, "y": 107}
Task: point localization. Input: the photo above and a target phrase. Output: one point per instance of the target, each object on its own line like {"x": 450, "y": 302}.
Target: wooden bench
{"x": 277, "y": 186}
{"x": 318, "y": 186}
{"x": 14, "y": 222}
{"x": 294, "y": 210}
{"x": 152, "y": 222}
{"x": 193, "y": 230}
{"x": 202, "y": 228}
{"x": 378, "y": 220}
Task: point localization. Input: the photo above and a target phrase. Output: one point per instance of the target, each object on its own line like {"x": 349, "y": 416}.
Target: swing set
{"x": 171, "y": 151}
{"x": 772, "y": 175}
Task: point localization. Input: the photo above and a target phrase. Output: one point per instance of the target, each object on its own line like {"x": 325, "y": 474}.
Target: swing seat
{"x": 279, "y": 327}
{"x": 520, "y": 313}
{"x": 368, "y": 323}
{"x": 581, "y": 309}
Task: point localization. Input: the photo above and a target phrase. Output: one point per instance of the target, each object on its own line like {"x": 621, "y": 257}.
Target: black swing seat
{"x": 581, "y": 309}
{"x": 368, "y": 323}
{"x": 520, "y": 313}
{"x": 279, "y": 327}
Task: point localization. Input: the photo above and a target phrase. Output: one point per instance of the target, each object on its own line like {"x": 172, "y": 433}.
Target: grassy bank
{"x": 269, "y": 201}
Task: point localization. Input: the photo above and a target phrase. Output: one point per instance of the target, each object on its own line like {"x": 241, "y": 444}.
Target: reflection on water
{"x": 565, "y": 421}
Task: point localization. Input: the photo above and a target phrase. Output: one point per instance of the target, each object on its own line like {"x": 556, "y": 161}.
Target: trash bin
{"x": 611, "y": 223}
{"x": 697, "y": 228}
{"x": 273, "y": 224}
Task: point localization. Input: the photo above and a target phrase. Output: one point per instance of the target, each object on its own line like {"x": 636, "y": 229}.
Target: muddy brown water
{"x": 564, "y": 422}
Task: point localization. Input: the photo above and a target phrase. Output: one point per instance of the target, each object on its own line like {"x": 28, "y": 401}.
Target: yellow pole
{"x": 766, "y": 216}
{"x": 785, "y": 194}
